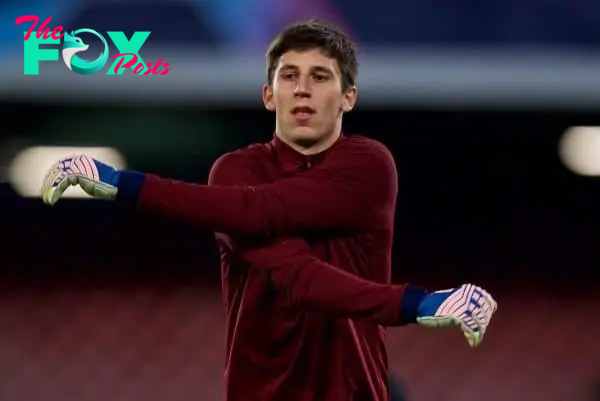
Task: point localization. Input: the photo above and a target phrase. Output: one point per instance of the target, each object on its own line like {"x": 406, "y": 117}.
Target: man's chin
{"x": 305, "y": 134}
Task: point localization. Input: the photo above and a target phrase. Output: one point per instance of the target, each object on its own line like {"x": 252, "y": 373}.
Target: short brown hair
{"x": 315, "y": 34}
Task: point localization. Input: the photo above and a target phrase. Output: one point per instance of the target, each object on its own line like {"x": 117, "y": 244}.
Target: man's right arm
{"x": 306, "y": 279}
{"x": 353, "y": 188}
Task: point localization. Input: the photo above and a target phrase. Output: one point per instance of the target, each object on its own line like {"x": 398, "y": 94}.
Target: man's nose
{"x": 302, "y": 88}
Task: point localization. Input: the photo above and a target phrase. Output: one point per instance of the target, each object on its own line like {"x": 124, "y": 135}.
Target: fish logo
{"x": 73, "y": 44}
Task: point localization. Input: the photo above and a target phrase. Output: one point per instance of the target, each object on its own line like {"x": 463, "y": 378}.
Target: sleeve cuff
{"x": 130, "y": 186}
{"x": 409, "y": 305}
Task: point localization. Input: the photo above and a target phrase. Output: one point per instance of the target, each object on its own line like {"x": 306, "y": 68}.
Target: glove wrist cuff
{"x": 129, "y": 185}
{"x": 409, "y": 305}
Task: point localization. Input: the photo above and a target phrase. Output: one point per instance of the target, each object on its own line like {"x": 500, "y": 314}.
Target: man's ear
{"x": 267, "y": 96}
{"x": 349, "y": 99}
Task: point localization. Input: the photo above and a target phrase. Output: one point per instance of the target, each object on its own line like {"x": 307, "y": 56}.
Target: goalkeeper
{"x": 304, "y": 226}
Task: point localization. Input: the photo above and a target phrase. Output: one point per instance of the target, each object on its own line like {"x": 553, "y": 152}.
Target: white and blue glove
{"x": 94, "y": 177}
{"x": 468, "y": 307}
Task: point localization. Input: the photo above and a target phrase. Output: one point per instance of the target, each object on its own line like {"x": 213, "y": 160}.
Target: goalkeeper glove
{"x": 95, "y": 178}
{"x": 468, "y": 307}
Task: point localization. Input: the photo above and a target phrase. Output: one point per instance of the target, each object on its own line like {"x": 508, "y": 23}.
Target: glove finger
{"x": 487, "y": 310}
{"x": 489, "y": 300}
{"x": 50, "y": 180}
{"x": 58, "y": 190}
{"x": 47, "y": 190}
{"x": 473, "y": 332}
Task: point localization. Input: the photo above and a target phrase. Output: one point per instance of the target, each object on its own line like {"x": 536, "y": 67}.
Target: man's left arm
{"x": 305, "y": 279}
{"x": 318, "y": 285}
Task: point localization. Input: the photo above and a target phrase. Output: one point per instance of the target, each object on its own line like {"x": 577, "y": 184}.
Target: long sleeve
{"x": 306, "y": 279}
{"x": 358, "y": 169}
{"x": 316, "y": 284}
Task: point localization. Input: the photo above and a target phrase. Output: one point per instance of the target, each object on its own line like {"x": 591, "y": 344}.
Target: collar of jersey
{"x": 293, "y": 161}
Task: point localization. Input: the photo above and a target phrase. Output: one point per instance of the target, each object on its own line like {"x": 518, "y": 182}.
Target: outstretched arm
{"x": 351, "y": 189}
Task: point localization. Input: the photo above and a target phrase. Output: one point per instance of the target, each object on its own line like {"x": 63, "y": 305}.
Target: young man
{"x": 305, "y": 227}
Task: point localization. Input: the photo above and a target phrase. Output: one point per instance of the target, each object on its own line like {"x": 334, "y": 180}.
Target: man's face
{"x": 306, "y": 94}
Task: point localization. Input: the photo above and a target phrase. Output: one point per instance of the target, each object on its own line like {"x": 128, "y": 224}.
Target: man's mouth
{"x": 303, "y": 112}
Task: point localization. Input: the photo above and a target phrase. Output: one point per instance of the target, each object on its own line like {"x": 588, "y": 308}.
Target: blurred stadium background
{"x": 482, "y": 103}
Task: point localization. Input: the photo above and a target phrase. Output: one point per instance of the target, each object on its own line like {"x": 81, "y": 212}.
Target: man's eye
{"x": 320, "y": 78}
{"x": 288, "y": 75}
